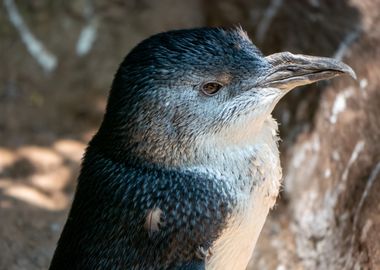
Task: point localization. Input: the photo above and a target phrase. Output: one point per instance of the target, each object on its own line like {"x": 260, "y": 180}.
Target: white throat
{"x": 252, "y": 168}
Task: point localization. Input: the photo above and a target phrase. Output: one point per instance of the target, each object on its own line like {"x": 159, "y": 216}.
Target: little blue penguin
{"x": 185, "y": 166}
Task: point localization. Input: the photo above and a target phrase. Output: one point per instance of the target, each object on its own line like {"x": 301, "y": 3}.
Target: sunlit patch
{"x": 70, "y": 149}
{"x": 6, "y": 158}
{"x": 54, "y": 202}
{"x": 54, "y": 180}
{"x": 39, "y": 175}
{"x": 42, "y": 156}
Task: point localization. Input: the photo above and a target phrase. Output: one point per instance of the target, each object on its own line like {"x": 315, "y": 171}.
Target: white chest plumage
{"x": 233, "y": 250}
{"x": 256, "y": 175}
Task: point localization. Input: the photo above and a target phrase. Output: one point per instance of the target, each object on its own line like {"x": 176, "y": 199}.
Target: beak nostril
{"x": 292, "y": 68}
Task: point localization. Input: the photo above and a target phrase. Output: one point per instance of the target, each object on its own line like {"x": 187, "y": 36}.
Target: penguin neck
{"x": 220, "y": 153}
{"x": 236, "y": 155}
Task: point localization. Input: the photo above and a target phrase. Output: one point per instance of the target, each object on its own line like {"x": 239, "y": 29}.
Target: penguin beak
{"x": 291, "y": 70}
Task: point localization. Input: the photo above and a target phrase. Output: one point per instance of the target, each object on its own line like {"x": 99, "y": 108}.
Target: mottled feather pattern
{"x": 110, "y": 208}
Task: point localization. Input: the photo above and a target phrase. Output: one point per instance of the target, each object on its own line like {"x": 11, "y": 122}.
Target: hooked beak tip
{"x": 349, "y": 71}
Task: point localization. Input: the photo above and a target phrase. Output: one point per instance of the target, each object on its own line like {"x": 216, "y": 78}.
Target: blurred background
{"x": 57, "y": 61}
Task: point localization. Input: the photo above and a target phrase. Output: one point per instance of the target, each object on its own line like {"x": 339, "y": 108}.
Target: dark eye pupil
{"x": 211, "y": 88}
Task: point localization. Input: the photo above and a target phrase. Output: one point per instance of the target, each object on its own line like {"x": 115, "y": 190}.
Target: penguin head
{"x": 177, "y": 90}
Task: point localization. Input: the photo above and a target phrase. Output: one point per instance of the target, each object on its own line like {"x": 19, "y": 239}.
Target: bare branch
{"x": 46, "y": 59}
{"x": 344, "y": 46}
{"x": 88, "y": 34}
{"x": 268, "y": 16}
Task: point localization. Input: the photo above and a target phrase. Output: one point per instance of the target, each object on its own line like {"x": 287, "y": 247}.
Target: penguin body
{"x": 185, "y": 166}
{"x": 139, "y": 217}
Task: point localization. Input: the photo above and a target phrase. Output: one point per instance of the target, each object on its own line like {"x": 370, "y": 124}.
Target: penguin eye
{"x": 211, "y": 88}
